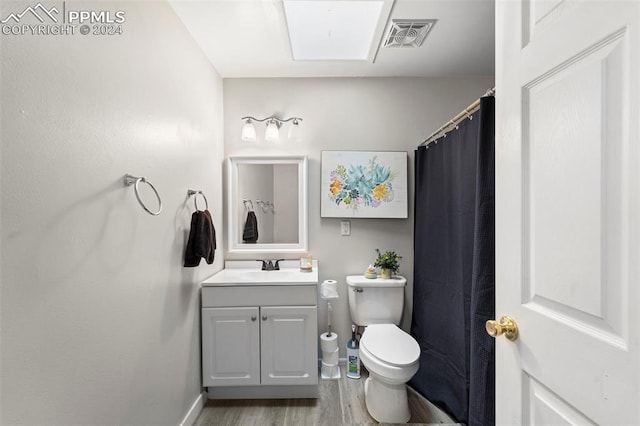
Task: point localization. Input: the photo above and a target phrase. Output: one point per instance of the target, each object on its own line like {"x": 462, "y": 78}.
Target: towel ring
{"x": 134, "y": 180}
{"x": 195, "y": 199}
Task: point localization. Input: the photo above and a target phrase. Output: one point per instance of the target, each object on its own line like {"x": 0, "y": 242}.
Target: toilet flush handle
{"x": 357, "y": 290}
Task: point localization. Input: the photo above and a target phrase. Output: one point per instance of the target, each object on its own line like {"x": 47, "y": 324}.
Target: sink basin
{"x": 239, "y": 273}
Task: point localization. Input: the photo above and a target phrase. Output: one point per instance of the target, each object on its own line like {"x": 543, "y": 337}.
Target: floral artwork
{"x": 361, "y": 185}
{"x": 364, "y": 184}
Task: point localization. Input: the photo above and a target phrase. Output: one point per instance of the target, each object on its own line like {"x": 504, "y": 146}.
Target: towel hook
{"x": 262, "y": 205}
{"x": 245, "y": 201}
{"x": 135, "y": 180}
{"x": 191, "y": 192}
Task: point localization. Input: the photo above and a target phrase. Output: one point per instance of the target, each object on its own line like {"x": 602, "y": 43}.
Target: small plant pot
{"x": 385, "y": 274}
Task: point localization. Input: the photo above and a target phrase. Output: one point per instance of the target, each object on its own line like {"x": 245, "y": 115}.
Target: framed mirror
{"x": 267, "y": 204}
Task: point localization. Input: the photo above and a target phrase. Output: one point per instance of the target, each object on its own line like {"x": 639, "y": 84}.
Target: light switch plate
{"x": 345, "y": 227}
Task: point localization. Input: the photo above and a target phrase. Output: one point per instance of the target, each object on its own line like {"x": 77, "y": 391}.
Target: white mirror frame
{"x": 235, "y": 246}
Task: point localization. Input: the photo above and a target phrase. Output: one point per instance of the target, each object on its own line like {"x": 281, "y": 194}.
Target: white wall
{"x": 100, "y": 321}
{"x": 349, "y": 114}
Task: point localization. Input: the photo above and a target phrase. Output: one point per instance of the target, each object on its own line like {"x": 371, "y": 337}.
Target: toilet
{"x": 388, "y": 353}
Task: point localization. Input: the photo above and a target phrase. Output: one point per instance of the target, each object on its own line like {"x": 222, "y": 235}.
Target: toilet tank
{"x": 376, "y": 301}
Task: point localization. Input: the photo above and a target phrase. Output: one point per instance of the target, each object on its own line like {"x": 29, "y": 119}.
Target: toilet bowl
{"x": 391, "y": 357}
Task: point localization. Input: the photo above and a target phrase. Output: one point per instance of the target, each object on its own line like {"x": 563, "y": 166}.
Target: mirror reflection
{"x": 267, "y": 204}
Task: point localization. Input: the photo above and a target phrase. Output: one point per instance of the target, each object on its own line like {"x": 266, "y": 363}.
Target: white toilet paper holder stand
{"x": 328, "y": 292}
{"x": 330, "y": 368}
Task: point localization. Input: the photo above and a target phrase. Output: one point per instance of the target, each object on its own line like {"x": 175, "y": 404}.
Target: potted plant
{"x": 388, "y": 263}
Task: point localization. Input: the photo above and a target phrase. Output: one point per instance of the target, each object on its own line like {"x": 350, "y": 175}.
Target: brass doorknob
{"x": 506, "y": 326}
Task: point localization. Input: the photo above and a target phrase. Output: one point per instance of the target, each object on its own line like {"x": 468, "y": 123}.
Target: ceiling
{"x": 249, "y": 38}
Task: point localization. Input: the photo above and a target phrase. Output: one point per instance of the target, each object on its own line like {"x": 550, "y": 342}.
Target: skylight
{"x": 334, "y": 30}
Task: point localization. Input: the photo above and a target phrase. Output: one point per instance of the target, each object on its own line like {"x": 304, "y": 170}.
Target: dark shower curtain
{"x": 453, "y": 280}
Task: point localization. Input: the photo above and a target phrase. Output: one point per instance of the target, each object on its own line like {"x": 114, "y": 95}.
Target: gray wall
{"x": 100, "y": 321}
{"x": 386, "y": 114}
{"x": 285, "y": 220}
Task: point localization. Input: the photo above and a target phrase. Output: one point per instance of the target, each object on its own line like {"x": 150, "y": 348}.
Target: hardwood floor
{"x": 341, "y": 402}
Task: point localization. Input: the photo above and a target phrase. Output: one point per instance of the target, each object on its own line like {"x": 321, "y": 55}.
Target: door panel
{"x": 572, "y": 158}
{"x": 567, "y": 211}
{"x": 539, "y": 14}
{"x": 547, "y": 408}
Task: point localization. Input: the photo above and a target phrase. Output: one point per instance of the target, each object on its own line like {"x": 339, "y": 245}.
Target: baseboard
{"x": 263, "y": 392}
{"x": 195, "y": 410}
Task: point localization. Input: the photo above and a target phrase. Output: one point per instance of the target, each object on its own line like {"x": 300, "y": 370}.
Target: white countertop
{"x": 248, "y": 273}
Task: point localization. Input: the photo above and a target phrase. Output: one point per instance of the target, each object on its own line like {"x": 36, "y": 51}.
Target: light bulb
{"x": 248, "y": 132}
{"x": 272, "y": 134}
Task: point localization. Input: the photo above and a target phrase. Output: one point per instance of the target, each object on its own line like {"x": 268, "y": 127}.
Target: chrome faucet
{"x": 267, "y": 265}
{"x": 270, "y": 265}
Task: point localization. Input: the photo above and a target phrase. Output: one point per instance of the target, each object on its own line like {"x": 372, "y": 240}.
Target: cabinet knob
{"x": 253, "y": 318}
{"x": 264, "y": 318}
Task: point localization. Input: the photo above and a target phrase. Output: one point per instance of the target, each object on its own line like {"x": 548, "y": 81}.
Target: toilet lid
{"x": 390, "y": 344}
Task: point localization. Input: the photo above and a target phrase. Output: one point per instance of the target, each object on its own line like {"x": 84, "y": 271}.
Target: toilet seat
{"x": 390, "y": 345}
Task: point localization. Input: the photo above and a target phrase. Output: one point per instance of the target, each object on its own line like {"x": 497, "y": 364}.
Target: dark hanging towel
{"x": 202, "y": 239}
{"x": 212, "y": 239}
{"x": 250, "y": 231}
{"x": 454, "y": 280}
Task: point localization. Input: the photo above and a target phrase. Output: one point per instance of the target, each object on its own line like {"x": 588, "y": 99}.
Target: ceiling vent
{"x": 408, "y": 32}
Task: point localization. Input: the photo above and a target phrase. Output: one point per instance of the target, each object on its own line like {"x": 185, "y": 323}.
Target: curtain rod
{"x": 457, "y": 119}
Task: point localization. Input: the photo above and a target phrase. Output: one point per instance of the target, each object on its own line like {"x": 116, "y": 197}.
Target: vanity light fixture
{"x": 272, "y": 134}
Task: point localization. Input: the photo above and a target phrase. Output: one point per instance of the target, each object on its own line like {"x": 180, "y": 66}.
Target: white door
{"x": 289, "y": 345}
{"x": 230, "y": 346}
{"x": 568, "y": 211}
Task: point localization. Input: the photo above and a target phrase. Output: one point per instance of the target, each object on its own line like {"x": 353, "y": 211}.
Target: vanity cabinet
{"x": 260, "y": 341}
